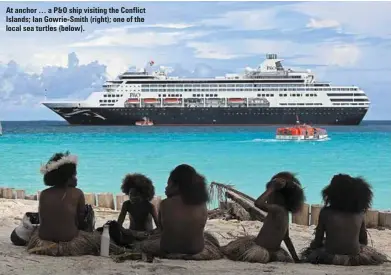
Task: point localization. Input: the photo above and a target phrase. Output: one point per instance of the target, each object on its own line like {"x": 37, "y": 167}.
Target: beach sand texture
{"x": 15, "y": 260}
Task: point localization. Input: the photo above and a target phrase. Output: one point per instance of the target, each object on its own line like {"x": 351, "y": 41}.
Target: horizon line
{"x": 46, "y": 120}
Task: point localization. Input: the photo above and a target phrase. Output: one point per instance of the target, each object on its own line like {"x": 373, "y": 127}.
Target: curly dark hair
{"x": 61, "y": 175}
{"x": 292, "y": 193}
{"x": 191, "y": 185}
{"x": 141, "y": 183}
{"x": 348, "y": 194}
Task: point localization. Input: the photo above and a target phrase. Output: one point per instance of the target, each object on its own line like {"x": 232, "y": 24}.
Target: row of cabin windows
{"x": 302, "y": 104}
{"x": 237, "y": 113}
{"x": 345, "y": 94}
{"x": 216, "y": 95}
{"x": 206, "y": 95}
{"x": 264, "y": 109}
{"x": 263, "y": 95}
{"x": 285, "y": 113}
{"x": 112, "y": 95}
{"x": 238, "y": 90}
{"x": 211, "y": 85}
{"x": 338, "y": 104}
{"x": 291, "y": 87}
{"x": 227, "y": 90}
{"x": 299, "y": 95}
{"x": 109, "y": 100}
{"x": 250, "y": 85}
{"x": 194, "y": 95}
{"x": 348, "y": 99}
{"x": 349, "y": 104}
{"x": 206, "y": 90}
{"x": 169, "y": 95}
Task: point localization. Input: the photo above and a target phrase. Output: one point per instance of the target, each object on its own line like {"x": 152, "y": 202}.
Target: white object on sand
{"x": 105, "y": 242}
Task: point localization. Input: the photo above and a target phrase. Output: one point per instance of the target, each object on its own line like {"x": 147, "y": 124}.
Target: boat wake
{"x": 325, "y": 139}
{"x": 271, "y": 140}
{"x": 266, "y": 140}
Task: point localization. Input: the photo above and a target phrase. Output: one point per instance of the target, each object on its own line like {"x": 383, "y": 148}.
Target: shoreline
{"x": 308, "y": 216}
{"x": 15, "y": 260}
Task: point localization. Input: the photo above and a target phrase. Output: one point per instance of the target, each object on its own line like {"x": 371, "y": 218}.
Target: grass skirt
{"x": 85, "y": 243}
{"x": 367, "y": 256}
{"x": 211, "y": 249}
{"x": 245, "y": 249}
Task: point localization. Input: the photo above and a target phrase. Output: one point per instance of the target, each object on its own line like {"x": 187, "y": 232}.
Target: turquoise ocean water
{"x": 244, "y": 156}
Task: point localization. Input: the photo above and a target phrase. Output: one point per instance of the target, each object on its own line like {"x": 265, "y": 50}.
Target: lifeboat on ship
{"x": 151, "y": 100}
{"x": 133, "y": 101}
{"x": 301, "y": 132}
{"x": 172, "y": 100}
{"x": 236, "y": 100}
{"x": 145, "y": 122}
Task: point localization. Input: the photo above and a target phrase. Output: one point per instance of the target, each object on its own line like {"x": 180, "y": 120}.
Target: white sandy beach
{"x": 15, "y": 260}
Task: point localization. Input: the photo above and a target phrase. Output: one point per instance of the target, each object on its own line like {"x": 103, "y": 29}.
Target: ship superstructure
{"x": 269, "y": 94}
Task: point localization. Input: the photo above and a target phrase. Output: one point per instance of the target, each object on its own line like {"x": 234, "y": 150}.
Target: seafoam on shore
{"x": 14, "y": 260}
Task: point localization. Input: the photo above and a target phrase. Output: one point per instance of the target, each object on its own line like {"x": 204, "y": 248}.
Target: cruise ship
{"x": 267, "y": 95}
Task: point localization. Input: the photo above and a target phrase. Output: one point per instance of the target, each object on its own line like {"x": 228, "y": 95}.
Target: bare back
{"x": 182, "y": 226}
{"x": 344, "y": 231}
{"x": 61, "y": 210}
{"x": 275, "y": 228}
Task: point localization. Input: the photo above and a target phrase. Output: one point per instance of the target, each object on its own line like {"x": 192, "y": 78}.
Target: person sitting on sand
{"x": 343, "y": 220}
{"x": 141, "y": 191}
{"x": 283, "y": 194}
{"x": 182, "y": 218}
{"x": 62, "y": 214}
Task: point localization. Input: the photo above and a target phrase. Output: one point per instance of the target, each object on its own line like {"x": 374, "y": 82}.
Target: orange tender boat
{"x": 301, "y": 132}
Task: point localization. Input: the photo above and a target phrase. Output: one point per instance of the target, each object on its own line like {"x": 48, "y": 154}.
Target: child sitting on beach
{"x": 283, "y": 195}
{"x": 343, "y": 220}
{"x": 182, "y": 216}
{"x": 141, "y": 191}
{"x": 63, "y": 223}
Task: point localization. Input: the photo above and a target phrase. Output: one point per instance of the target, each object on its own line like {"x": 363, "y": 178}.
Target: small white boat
{"x": 1, "y": 129}
{"x": 144, "y": 122}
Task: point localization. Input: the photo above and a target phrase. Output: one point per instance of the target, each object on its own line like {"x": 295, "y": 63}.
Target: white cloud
{"x": 122, "y": 37}
{"x": 330, "y": 53}
{"x": 212, "y": 51}
{"x": 164, "y": 26}
{"x": 117, "y": 59}
{"x": 6, "y": 88}
{"x": 49, "y": 59}
{"x": 100, "y": 32}
{"x": 245, "y": 20}
{"x": 320, "y": 24}
{"x": 231, "y": 49}
{"x": 18, "y": 88}
{"x": 361, "y": 18}
{"x": 344, "y": 55}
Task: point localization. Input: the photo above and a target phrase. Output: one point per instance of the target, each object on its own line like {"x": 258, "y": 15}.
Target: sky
{"x": 345, "y": 43}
